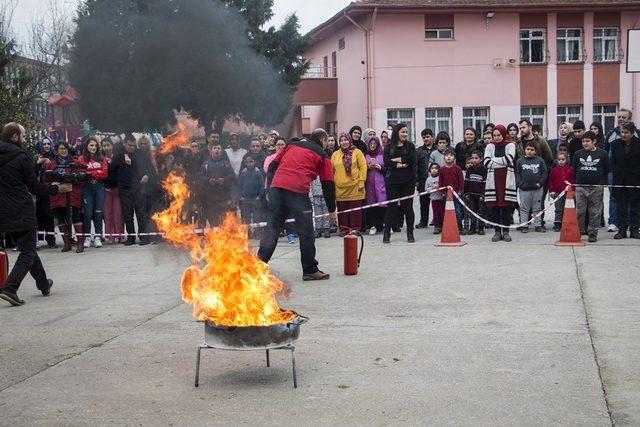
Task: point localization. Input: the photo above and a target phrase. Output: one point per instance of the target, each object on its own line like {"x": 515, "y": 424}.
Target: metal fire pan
{"x": 253, "y": 337}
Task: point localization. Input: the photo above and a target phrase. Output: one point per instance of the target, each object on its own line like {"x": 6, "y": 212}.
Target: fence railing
{"x": 321, "y": 73}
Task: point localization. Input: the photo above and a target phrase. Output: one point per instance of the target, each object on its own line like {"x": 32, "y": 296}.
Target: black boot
{"x": 505, "y": 235}
{"x": 386, "y": 237}
{"x": 497, "y": 236}
{"x": 410, "y": 237}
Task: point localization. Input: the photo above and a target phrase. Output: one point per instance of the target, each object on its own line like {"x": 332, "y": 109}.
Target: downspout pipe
{"x": 367, "y": 56}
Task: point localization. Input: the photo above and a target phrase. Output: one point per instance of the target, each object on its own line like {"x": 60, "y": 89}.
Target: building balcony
{"x": 319, "y": 86}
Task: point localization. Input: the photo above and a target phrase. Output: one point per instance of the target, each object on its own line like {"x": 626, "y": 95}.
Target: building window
{"x": 533, "y": 46}
{"x": 569, "y": 42}
{"x": 438, "y": 120}
{"x": 341, "y": 44}
{"x": 334, "y": 65}
{"x": 605, "y": 45}
{"x": 569, "y": 113}
{"x": 402, "y": 115}
{"x": 536, "y": 115}
{"x": 439, "y": 34}
{"x": 476, "y": 117}
{"x": 325, "y": 66}
{"x": 605, "y": 115}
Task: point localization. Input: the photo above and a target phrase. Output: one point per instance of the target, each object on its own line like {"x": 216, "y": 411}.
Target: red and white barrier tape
{"x": 602, "y": 185}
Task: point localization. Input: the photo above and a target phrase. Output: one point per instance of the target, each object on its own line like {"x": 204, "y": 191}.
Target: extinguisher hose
{"x": 357, "y": 233}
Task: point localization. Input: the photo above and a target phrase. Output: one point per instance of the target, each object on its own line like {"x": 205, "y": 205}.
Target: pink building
{"x": 451, "y": 64}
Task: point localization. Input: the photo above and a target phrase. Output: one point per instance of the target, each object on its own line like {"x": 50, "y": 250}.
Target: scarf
{"x": 347, "y": 153}
{"x": 378, "y": 149}
{"x": 503, "y": 132}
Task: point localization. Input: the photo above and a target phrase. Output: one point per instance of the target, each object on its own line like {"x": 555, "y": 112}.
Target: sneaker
{"x": 506, "y": 237}
{"x": 612, "y": 228}
{"x": 540, "y": 229}
{"x": 38, "y": 244}
{"x": 318, "y": 275}
{"x": 496, "y": 237}
{"x": 291, "y": 238}
{"x": 373, "y": 231}
{"x": 635, "y": 234}
{"x": 557, "y": 227}
{"x": 97, "y": 242}
{"x": 620, "y": 235}
{"x": 87, "y": 243}
{"x": 421, "y": 225}
{"x": 326, "y": 234}
{"x": 47, "y": 291}
{"x": 11, "y": 298}
{"x": 593, "y": 237}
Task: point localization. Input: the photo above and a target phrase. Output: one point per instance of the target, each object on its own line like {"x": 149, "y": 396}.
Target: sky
{"x": 311, "y": 12}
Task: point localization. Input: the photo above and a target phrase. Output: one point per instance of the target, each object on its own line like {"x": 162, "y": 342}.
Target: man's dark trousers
{"x": 132, "y": 203}
{"x": 28, "y": 262}
{"x": 628, "y": 200}
{"x": 282, "y": 205}
{"x": 424, "y": 202}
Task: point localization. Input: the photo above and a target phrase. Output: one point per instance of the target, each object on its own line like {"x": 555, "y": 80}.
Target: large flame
{"x": 178, "y": 139}
{"x": 227, "y": 283}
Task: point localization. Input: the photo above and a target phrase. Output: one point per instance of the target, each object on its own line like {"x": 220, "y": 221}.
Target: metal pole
{"x": 293, "y": 363}
{"x": 268, "y": 364}
{"x": 198, "y": 366}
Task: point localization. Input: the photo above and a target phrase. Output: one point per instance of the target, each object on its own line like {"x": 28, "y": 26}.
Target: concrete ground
{"x": 491, "y": 333}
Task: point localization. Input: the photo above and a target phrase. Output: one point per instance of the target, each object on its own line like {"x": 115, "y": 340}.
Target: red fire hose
{"x": 351, "y": 257}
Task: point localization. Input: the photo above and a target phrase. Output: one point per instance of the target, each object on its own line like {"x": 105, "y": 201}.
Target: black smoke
{"x": 135, "y": 61}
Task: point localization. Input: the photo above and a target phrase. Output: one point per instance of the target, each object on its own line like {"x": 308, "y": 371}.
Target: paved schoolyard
{"x": 491, "y": 333}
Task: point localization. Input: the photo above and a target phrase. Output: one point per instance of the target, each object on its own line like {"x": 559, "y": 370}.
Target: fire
{"x": 178, "y": 139}
{"x": 227, "y": 283}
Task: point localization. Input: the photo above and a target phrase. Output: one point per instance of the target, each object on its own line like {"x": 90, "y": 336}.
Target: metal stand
{"x": 285, "y": 347}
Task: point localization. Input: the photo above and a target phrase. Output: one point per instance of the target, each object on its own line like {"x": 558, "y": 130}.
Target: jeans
{"x": 628, "y": 200}
{"x": 28, "y": 262}
{"x": 93, "y": 193}
{"x": 477, "y": 205}
{"x": 589, "y": 198}
{"x": 282, "y": 204}
{"x": 251, "y": 210}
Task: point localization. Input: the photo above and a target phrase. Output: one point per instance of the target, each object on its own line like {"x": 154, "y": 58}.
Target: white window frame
{"x": 530, "y": 39}
{"x": 478, "y": 120}
{"x": 568, "y": 113}
{"x": 601, "y": 40}
{"x": 399, "y": 118}
{"x": 599, "y": 115}
{"x": 563, "y": 34}
{"x": 526, "y": 112}
{"x": 440, "y": 115}
{"x": 439, "y": 33}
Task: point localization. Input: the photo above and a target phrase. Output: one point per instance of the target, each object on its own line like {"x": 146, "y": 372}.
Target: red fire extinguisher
{"x": 351, "y": 256}
{"x": 4, "y": 267}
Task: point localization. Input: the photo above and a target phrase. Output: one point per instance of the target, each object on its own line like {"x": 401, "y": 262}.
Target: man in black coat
{"x": 18, "y": 213}
{"x": 625, "y": 165}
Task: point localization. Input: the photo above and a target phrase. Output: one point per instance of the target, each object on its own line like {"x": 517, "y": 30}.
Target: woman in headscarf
{"x": 44, "y": 215}
{"x": 375, "y": 185}
{"x": 384, "y": 138}
{"x": 500, "y": 190}
{"x": 356, "y": 139}
{"x": 350, "y": 174}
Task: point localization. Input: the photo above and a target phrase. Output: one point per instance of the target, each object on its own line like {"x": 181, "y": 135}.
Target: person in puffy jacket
{"x": 93, "y": 191}
{"x": 558, "y": 178}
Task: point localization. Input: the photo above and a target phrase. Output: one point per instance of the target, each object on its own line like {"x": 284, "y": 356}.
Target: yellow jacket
{"x": 347, "y": 186}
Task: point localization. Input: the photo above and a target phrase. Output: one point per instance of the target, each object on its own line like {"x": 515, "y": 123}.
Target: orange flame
{"x": 227, "y": 283}
{"x": 178, "y": 139}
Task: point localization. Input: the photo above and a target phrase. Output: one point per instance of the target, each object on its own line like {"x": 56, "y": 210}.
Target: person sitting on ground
{"x": 474, "y": 194}
{"x": 443, "y": 140}
{"x": 559, "y": 176}
{"x": 436, "y": 197}
{"x": 375, "y": 186}
{"x": 625, "y": 165}
{"x": 350, "y": 175}
{"x": 216, "y": 179}
{"x": 590, "y": 167}
{"x": 451, "y": 176}
{"x": 251, "y": 192}
{"x": 531, "y": 177}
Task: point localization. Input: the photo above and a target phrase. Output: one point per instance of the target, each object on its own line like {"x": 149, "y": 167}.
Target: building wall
{"x": 409, "y": 72}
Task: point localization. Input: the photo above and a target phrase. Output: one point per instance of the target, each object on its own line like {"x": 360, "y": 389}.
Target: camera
{"x": 71, "y": 174}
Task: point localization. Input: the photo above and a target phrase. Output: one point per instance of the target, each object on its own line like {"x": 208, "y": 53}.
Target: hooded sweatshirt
{"x": 531, "y": 173}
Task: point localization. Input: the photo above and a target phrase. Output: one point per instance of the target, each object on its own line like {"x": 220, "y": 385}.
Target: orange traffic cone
{"x": 570, "y": 233}
{"x": 450, "y": 232}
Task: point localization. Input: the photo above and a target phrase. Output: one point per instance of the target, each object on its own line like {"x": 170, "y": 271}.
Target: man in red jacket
{"x": 289, "y": 178}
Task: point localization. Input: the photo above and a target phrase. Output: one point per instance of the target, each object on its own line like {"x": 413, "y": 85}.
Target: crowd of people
{"x": 505, "y": 169}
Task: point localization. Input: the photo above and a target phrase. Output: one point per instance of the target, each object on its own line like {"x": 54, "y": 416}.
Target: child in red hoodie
{"x": 451, "y": 175}
{"x": 557, "y": 183}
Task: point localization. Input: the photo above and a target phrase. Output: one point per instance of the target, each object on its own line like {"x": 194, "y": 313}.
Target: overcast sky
{"x": 310, "y": 12}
